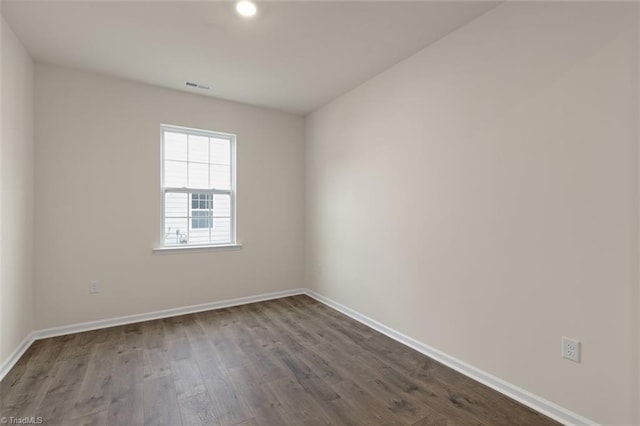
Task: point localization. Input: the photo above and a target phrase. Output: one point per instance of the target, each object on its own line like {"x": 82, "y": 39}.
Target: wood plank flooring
{"x": 291, "y": 361}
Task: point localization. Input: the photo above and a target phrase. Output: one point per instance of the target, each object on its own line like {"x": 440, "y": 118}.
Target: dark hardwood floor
{"x": 291, "y": 361}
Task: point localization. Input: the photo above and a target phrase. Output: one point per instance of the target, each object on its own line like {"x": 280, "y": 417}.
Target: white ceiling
{"x": 294, "y": 56}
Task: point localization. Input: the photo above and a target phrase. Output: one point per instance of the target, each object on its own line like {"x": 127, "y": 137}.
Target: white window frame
{"x": 232, "y": 192}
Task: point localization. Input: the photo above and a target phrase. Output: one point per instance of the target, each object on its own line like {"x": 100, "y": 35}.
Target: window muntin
{"x": 198, "y": 185}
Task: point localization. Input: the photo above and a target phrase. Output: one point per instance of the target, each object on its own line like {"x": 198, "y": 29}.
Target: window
{"x": 201, "y": 207}
{"x": 198, "y": 187}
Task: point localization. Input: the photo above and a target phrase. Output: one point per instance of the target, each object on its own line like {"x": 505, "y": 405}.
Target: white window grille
{"x": 198, "y": 187}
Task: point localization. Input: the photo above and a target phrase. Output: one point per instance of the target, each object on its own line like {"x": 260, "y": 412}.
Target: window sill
{"x": 186, "y": 249}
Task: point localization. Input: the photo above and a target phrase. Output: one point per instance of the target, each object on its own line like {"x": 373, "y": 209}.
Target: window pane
{"x": 221, "y": 232}
{"x": 201, "y": 219}
{"x": 198, "y": 175}
{"x": 176, "y": 231}
{"x": 220, "y": 177}
{"x": 220, "y": 151}
{"x": 175, "y": 205}
{"x": 175, "y": 174}
{"x": 222, "y": 205}
{"x": 199, "y": 149}
{"x": 199, "y": 201}
{"x": 175, "y": 146}
{"x": 199, "y": 236}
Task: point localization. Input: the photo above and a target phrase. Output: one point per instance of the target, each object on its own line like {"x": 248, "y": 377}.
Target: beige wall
{"x": 17, "y": 195}
{"x": 98, "y": 189}
{"x": 480, "y": 197}
{"x": 637, "y": 306}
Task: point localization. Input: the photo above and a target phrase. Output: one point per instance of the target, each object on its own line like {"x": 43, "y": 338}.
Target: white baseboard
{"x": 539, "y": 404}
{"x": 8, "y": 364}
{"x": 548, "y": 408}
{"x": 166, "y": 313}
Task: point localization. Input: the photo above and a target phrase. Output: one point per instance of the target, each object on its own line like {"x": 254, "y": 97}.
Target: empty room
{"x": 303, "y": 212}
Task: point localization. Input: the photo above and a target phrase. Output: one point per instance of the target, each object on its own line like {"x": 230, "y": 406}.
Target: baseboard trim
{"x": 8, "y": 364}
{"x": 539, "y": 404}
{"x": 166, "y": 313}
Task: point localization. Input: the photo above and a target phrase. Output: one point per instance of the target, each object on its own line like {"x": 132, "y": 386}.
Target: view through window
{"x": 198, "y": 185}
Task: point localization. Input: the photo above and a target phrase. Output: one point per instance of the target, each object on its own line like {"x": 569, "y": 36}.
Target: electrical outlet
{"x": 571, "y": 349}
{"x": 94, "y": 287}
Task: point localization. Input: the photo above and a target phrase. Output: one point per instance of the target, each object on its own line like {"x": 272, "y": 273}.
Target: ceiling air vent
{"x": 195, "y": 85}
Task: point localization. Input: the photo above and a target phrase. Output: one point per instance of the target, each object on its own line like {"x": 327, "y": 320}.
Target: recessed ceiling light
{"x": 246, "y": 8}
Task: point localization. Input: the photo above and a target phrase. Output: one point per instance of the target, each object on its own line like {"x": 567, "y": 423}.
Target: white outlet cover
{"x": 570, "y": 349}
{"x": 94, "y": 287}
